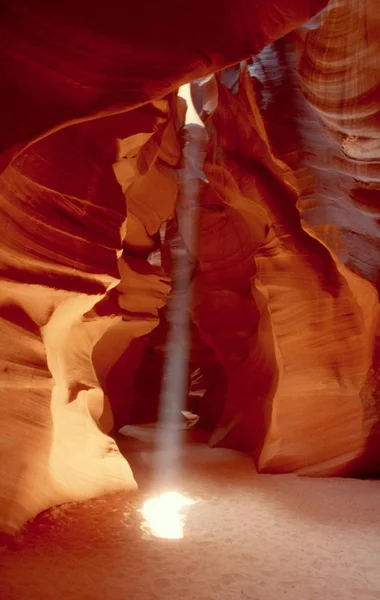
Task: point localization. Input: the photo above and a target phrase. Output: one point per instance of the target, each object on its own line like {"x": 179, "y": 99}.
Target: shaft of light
{"x": 175, "y": 381}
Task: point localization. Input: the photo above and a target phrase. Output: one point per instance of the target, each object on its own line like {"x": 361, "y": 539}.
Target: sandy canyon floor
{"x": 248, "y": 537}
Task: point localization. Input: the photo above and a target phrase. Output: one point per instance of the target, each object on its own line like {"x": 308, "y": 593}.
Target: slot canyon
{"x": 189, "y": 299}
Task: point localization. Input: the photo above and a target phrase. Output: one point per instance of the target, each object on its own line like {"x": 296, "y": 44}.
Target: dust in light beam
{"x": 162, "y": 514}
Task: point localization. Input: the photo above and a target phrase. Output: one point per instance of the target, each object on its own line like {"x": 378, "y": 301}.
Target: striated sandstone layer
{"x": 285, "y": 269}
{"x": 326, "y": 78}
{"x": 305, "y": 345}
{"x": 70, "y": 76}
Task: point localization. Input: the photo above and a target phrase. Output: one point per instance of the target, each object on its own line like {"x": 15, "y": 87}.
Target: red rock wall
{"x": 86, "y": 185}
{"x": 317, "y": 319}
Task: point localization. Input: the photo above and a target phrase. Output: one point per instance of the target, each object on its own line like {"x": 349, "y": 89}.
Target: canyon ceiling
{"x": 284, "y": 274}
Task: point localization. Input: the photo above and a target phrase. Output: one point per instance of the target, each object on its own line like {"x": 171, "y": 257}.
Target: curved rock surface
{"x": 284, "y": 274}
{"x": 308, "y": 353}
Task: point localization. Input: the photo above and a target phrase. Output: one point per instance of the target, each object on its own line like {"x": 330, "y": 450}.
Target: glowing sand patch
{"x": 163, "y": 516}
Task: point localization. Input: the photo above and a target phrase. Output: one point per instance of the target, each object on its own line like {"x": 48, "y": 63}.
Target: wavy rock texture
{"x": 68, "y": 62}
{"x": 304, "y": 347}
{"x": 59, "y": 242}
{"x": 326, "y": 79}
{"x": 91, "y": 202}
